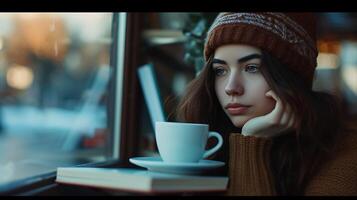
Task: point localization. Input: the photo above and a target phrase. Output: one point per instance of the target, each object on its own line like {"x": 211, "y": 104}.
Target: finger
{"x": 270, "y": 94}
{"x": 285, "y": 117}
{"x": 277, "y": 112}
{"x": 292, "y": 122}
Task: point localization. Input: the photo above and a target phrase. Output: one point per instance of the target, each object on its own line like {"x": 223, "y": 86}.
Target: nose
{"x": 234, "y": 86}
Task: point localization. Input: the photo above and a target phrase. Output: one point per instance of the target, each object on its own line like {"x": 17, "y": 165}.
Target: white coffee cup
{"x": 184, "y": 142}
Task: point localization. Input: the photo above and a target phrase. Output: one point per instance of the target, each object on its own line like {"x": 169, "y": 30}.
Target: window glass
{"x": 54, "y": 73}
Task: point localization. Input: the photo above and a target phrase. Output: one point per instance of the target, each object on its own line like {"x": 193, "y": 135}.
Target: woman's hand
{"x": 279, "y": 120}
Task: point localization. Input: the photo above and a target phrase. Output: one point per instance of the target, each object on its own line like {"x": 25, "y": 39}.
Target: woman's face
{"x": 239, "y": 84}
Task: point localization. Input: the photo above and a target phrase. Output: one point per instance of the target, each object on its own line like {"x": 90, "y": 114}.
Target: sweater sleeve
{"x": 249, "y": 167}
{"x": 338, "y": 176}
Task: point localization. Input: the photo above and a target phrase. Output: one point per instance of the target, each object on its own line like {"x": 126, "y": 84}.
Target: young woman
{"x": 282, "y": 138}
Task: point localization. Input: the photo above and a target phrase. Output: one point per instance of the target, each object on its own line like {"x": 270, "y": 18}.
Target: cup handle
{"x": 215, "y": 148}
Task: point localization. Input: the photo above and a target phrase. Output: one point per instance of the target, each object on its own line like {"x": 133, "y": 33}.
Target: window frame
{"x": 122, "y": 142}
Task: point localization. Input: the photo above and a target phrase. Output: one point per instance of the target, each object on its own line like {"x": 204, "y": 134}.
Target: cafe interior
{"x": 70, "y": 94}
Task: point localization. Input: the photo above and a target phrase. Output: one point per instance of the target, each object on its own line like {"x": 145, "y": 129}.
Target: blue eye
{"x": 219, "y": 71}
{"x": 251, "y": 68}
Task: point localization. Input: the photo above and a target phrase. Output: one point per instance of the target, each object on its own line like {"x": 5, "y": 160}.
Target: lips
{"x": 236, "y": 108}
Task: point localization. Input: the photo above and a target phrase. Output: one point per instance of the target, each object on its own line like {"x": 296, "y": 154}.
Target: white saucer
{"x": 156, "y": 164}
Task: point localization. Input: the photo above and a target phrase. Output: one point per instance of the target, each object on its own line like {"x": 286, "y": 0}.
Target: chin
{"x": 239, "y": 121}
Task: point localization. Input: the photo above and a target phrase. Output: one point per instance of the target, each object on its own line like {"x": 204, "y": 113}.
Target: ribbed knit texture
{"x": 249, "y": 170}
{"x": 250, "y": 173}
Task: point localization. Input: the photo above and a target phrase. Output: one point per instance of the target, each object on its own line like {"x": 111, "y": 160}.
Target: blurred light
{"x": 1, "y": 43}
{"x": 7, "y": 172}
{"x": 31, "y": 15}
{"x": 179, "y": 83}
{"x": 348, "y": 53}
{"x": 327, "y": 61}
{"x": 19, "y": 77}
{"x": 349, "y": 75}
{"x": 92, "y": 26}
{"x": 339, "y": 19}
{"x": 161, "y": 37}
{"x": 329, "y": 46}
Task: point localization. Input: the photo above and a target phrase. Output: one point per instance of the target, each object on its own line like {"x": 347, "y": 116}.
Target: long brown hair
{"x": 294, "y": 157}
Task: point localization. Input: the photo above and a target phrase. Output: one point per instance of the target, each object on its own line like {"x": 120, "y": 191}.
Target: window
{"x": 55, "y": 70}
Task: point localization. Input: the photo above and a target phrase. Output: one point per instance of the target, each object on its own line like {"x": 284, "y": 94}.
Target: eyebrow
{"x": 240, "y": 60}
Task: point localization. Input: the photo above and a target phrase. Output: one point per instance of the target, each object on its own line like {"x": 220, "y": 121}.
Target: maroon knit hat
{"x": 290, "y": 37}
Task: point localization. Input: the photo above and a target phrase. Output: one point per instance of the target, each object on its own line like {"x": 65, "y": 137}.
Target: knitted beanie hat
{"x": 290, "y": 37}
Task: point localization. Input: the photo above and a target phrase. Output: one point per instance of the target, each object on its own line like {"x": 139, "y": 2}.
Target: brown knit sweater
{"x": 250, "y": 174}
